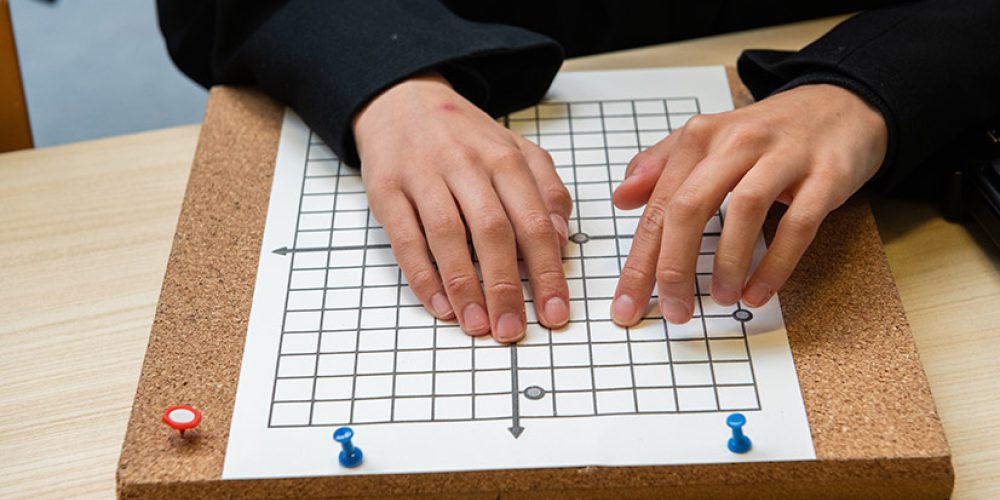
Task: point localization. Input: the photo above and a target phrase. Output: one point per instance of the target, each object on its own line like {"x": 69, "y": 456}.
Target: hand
{"x": 432, "y": 164}
{"x": 810, "y": 147}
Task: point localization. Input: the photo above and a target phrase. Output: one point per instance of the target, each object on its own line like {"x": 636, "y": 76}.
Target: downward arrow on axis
{"x": 515, "y": 401}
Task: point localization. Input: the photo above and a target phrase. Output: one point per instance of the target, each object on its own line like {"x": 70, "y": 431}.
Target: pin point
{"x": 350, "y": 456}
{"x": 739, "y": 443}
{"x": 182, "y": 417}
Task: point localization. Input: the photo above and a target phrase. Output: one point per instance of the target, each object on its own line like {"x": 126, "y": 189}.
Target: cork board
{"x": 874, "y": 425}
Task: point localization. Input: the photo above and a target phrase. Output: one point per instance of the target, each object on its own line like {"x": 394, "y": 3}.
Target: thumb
{"x": 640, "y": 179}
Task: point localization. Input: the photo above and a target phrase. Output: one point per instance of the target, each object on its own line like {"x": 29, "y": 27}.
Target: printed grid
{"x": 357, "y": 347}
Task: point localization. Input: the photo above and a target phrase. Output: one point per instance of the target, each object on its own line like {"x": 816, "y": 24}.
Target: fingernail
{"x": 556, "y": 311}
{"x": 626, "y": 182}
{"x": 757, "y": 294}
{"x": 509, "y": 327}
{"x": 441, "y": 306}
{"x": 476, "y": 320}
{"x": 640, "y": 169}
{"x": 723, "y": 294}
{"x": 623, "y": 310}
{"x": 675, "y": 311}
{"x": 561, "y": 226}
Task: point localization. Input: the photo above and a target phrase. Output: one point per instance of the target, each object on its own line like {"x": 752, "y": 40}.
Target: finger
{"x": 747, "y": 208}
{"x": 642, "y": 174}
{"x": 493, "y": 239}
{"x": 553, "y": 191}
{"x": 795, "y": 232}
{"x": 639, "y": 272}
{"x": 446, "y": 238}
{"x": 411, "y": 252}
{"x": 536, "y": 242}
{"x": 694, "y": 202}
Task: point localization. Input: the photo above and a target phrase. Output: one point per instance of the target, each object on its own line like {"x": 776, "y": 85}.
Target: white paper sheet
{"x": 423, "y": 397}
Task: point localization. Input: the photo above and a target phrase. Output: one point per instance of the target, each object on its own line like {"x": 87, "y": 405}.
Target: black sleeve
{"x": 327, "y": 58}
{"x": 932, "y": 68}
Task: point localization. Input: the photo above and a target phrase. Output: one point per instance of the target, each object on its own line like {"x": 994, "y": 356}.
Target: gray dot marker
{"x": 742, "y": 315}
{"x": 534, "y": 392}
{"x": 580, "y": 238}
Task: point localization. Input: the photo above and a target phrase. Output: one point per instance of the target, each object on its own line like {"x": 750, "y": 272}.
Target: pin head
{"x": 181, "y": 417}
{"x": 343, "y": 434}
{"x": 736, "y": 420}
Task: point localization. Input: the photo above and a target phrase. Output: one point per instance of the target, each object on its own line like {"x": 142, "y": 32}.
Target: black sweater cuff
{"x": 930, "y": 67}
{"x": 327, "y": 59}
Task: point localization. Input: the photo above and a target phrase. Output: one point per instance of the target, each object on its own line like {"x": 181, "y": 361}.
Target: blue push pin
{"x": 350, "y": 456}
{"x": 739, "y": 443}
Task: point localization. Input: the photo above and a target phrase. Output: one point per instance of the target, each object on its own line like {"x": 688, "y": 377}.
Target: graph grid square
{"x": 357, "y": 347}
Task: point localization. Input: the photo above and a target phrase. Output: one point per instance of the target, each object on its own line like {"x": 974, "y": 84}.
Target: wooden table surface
{"x": 85, "y": 231}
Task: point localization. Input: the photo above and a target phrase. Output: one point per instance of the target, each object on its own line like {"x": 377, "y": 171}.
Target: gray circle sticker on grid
{"x": 534, "y": 392}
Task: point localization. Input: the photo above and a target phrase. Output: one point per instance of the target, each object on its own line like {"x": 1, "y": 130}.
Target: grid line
{"x": 368, "y": 353}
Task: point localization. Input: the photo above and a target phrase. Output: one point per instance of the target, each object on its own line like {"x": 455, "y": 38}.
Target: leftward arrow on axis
{"x": 286, "y": 250}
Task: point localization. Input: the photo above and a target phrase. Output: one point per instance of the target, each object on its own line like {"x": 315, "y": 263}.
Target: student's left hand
{"x": 810, "y": 147}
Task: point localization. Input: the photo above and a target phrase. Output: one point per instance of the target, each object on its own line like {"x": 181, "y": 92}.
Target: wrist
{"x": 415, "y": 87}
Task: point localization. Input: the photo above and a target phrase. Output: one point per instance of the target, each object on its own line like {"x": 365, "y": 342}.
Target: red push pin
{"x": 182, "y": 417}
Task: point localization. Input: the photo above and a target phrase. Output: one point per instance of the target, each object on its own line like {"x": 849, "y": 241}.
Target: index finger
{"x": 635, "y": 285}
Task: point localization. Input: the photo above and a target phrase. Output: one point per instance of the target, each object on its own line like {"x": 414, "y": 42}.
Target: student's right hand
{"x": 435, "y": 165}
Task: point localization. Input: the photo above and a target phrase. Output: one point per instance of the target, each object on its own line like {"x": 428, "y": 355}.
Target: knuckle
{"x": 802, "y": 222}
{"x": 542, "y": 154}
{"x": 558, "y": 196}
{"x": 727, "y": 262}
{"x": 495, "y": 225}
{"x": 835, "y": 171}
{"x": 464, "y": 155}
{"x": 504, "y": 288}
{"x": 685, "y": 205}
{"x": 633, "y": 276}
{"x": 505, "y": 158}
{"x": 406, "y": 242}
{"x": 443, "y": 224}
{"x": 459, "y": 284}
{"x": 423, "y": 279}
{"x": 551, "y": 278}
{"x": 752, "y": 198}
{"x": 698, "y": 127}
{"x": 670, "y": 275}
{"x": 742, "y": 134}
{"x": 536, "y": 225}
{"x": 781, "y": 265}
{"x": 651, "y": 222}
